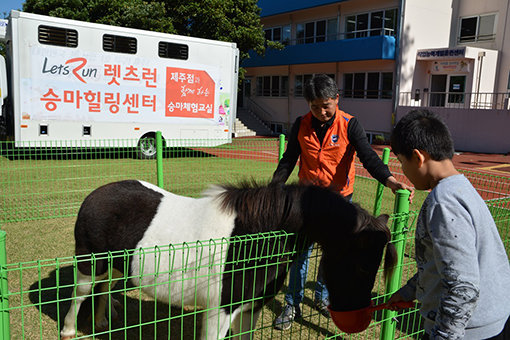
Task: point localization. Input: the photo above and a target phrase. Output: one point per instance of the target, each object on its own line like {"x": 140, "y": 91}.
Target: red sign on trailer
{"x": 189, "y": 93}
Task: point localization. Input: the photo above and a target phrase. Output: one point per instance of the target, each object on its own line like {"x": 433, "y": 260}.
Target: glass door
{"x": 438, "y": 89}
{"x": 456, "y": 90}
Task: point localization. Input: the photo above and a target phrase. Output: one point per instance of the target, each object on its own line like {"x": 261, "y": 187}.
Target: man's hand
{"x": 395, "y": 185}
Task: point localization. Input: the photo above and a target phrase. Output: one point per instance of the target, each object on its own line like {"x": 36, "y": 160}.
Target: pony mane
{"x": 261, "y": 207}
{"x": 213, "y": 190}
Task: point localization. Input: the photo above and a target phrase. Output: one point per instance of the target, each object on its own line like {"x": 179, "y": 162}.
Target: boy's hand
{"x": 393, "y": 300}
{"x": 395, "y": 185}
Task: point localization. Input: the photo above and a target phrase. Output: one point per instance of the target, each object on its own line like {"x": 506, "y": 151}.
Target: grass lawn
{"x": 40, "y": 197}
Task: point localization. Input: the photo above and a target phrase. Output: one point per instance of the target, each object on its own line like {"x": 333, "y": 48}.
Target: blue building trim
{"x": 369, "y": 48}
{"x": 274, "y": 7}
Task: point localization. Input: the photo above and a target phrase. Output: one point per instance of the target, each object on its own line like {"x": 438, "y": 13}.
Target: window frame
{"x": 307, "y": 32}
{"x": 477, "y": 37}
{"x": 285, "y": 33}
{"x": 358, "y": 85}
{"x": 382, "y": 29}
{"x": 272, "y": 86}
{"x": 298, "y": 91}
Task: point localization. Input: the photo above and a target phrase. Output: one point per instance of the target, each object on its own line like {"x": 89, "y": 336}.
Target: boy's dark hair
{"x": 320, "y": 86}
{"x": 422, "y": 130}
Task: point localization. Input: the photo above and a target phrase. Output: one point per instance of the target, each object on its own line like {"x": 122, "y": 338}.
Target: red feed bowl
{"x": 358, "y": 320}
{"x": 353, "y": 321}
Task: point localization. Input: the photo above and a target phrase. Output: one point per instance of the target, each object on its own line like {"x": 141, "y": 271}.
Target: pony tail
{"x": 390, "y": 259}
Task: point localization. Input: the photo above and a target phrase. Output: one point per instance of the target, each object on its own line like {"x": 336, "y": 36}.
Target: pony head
{"x": 353, "y": 243}
{"x": 352, "y": 240}
{"x": 357, "y": 263}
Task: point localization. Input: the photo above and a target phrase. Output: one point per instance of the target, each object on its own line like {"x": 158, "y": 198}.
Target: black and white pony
{"x": 134, "y": 215}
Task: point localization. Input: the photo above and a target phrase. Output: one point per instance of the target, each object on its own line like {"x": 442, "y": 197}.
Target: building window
{"x": 371, "y": 24}
{"x": 358, "y": 88}
{"x": 371, "y": 85}
{"x": 277, "y": 127}
{"x": 273, "y": 86}
{"x": 477, "y": 28}
{"x": 300, "y": 80}
{"x": 386, "y": 85}
{"x": 316, "y": 31}
{"x": 280, "y": 34}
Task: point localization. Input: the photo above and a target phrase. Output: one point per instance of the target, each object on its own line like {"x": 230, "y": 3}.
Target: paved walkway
{"x": 496, "y": 164}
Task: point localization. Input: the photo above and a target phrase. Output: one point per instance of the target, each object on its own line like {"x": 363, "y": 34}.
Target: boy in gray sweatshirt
{"x": 463, "y": 277}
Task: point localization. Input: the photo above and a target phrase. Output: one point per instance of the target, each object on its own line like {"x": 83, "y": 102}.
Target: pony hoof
{"x": 188, "y": 309}
{"x": 66, "y": 336}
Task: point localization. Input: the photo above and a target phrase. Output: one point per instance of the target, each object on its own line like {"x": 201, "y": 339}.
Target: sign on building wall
{"x": 455, "y": 66}
{"x": 441, "y": 53}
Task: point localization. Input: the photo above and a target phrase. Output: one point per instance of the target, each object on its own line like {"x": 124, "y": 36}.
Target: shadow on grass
{"x": 60, "y": 153}
{"x": 137, "y": 318}
{"x": 311, "y": 322}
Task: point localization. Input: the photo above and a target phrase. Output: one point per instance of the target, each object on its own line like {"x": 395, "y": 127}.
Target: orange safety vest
{"x": 332, "y": 163}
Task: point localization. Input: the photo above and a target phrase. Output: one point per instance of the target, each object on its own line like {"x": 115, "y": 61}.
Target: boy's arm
{"x": 454, "y": 250}
{"x": 408, "y": 292}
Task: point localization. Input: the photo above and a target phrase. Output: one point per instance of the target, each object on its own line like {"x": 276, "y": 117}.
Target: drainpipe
{"x": 288, "y": 99}
{"x": 479, "y": 76}
{"x": 398, "y": 62}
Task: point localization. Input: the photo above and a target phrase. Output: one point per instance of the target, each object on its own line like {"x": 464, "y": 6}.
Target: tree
{"x": 226, "y": 20}
{"x": 125, "y": 13}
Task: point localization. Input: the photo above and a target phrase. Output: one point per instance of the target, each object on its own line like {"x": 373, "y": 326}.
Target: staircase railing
{"x": 259, "y": 112}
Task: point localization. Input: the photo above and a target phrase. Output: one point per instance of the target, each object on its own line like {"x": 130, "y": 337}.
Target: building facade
{"x": 387, "y": 57}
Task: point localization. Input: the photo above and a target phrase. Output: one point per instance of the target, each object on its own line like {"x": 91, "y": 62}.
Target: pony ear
{"x": 384, "y": 218}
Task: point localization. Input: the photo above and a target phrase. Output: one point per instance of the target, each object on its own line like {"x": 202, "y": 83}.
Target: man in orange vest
{"x": 326, "y": 141}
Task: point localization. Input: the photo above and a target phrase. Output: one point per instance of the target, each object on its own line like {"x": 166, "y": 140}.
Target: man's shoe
{"x": 322, "y": 307}
{"x": 287, "y": 317}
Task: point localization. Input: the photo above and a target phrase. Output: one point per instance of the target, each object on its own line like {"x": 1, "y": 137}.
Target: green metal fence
{"x": 42, "y": 189}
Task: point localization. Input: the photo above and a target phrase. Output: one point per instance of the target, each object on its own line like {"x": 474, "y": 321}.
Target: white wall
{"x": 474, "y": 130}
{"x": 374, "y": 115}
{"x": 466, "y": 8}
{"x": 426, "y": 25}
{"x": 488, "y": 65}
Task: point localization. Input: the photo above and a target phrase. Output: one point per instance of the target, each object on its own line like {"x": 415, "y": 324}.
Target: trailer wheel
{"x": 146, "y": 148}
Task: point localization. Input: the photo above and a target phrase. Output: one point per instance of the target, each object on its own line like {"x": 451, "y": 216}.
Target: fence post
{"x": 380, "y": 186}
{"x": 159, "y": 158}
{"x": 400, "y": 220}
{"x": 5, "y": 332}
{"x": 281, "y": 148}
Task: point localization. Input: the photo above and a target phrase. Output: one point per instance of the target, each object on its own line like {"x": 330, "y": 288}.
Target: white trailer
{"x": 68, "y": 82}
